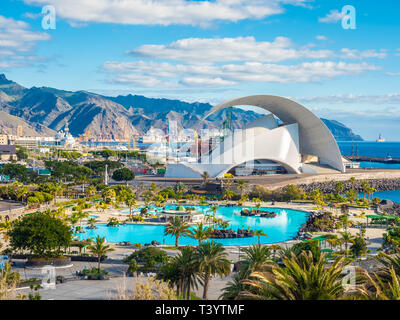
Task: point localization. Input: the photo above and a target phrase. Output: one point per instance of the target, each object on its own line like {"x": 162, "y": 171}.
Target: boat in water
{"x": 380, "y": 139}
{"x": 388, "y": 158}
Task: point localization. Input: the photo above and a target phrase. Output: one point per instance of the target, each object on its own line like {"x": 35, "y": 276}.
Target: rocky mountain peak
{"x": 3, "y": 79}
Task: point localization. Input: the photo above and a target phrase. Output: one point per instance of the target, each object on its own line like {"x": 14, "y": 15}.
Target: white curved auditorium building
{"x": 300, "y": 143}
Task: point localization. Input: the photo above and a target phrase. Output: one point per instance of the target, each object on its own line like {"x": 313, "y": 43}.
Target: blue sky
{"x": 211, "y": 51}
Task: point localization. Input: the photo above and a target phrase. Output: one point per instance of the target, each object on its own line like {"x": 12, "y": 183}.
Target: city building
{"x": 27, "y": 142}
{"x": 19, "y": 131}
{"x": 65, "y": 139}
{"x": 3, "y": 139}
{"x": 8, "y": 153}
{"x": 298, "y": 143}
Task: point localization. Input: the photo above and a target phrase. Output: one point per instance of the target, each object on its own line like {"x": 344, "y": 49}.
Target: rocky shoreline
{"x": 329, "y": 186}
{"x": 260, "y": 213}
{"x": 316, "y": 222}
{"x": 230, "y": 234}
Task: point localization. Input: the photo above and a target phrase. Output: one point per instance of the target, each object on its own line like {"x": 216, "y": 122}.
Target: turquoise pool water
{"x": 393, "y": 195}
{"x": 281, "y": 228}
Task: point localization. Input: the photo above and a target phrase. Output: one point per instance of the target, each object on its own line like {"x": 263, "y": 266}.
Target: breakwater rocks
{"x": 253, "y": 213}
{"x": 319, "y": 222}
{"x": 230, "y": 234}
{"x": 329, "y": 186}
{"x": 389, "y": 207}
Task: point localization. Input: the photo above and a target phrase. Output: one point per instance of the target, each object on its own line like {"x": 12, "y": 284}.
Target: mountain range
{"x": 43, "y": 111}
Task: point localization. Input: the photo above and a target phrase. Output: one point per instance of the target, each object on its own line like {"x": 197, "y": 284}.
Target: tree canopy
{"x": 123, "y": 174}
{"x": 40, "y": 234}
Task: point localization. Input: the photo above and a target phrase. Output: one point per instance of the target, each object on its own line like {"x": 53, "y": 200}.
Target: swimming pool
{"x": 281, "y": 228}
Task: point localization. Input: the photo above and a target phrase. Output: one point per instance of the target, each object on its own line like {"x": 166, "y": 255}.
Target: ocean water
{"x": 379, "y": 165}
{"x": 281, "y": 228}
{"x": 370, "y": 148}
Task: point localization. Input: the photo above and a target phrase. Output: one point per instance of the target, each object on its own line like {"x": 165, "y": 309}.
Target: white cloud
{"x": 213, "y": 50}
{"x": 229, "y": 74}
{"x": 165, "y": 12}
{"x": 332, "y": 17}
{"x": 17, "y": 42}
{"x": 393, "y": 98}
{"x": 208, "y": 62}
{"x": 393, "y": 74}
{"x": 357, "y": 54}
{"x": 228, "y": 49}
{"x": 9, "y": 64}
{"x": 321, "y": 38}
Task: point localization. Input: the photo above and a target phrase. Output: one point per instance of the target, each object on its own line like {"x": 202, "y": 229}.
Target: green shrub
{"x": 149, "y": 257}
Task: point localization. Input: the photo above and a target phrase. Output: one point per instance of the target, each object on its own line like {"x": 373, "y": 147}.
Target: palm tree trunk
{"x": 177, "y": 241}
{"x": 179, "y": 288}
{"x": 206, "y": 285}
{"x": 184, "y": 290}
{"x": 188, "y": 291}
{"x": 98, "y": 266}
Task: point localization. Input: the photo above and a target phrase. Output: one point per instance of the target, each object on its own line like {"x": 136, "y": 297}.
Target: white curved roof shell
{"x": 314, "y": 137}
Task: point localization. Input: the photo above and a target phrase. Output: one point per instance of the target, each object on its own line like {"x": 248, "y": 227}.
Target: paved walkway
{"x": 108, "y": 289}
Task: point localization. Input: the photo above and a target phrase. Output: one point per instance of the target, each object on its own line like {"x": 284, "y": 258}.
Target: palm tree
{"x": 73, "y": 219}
{"x": 180, "y": 188}
{"x": 259, "y": 233}
{"x": 99, "y": 249}
{"x": 258, "y": 204}
{"x": 91, "y": 223}
{"x": 352, "y": 180}
{"x": 370, "y": 192}
{"x": 388, "y": 262}
{"x": 233, "y": 288}
{"x": 346, "y": 238}
{"x": 223, "y": 224}
{"x": 130, "y": 201}
{"x": 228, "y": 194}
{"x": 274, "y": 248}
{"x": 214, "y": 210}
{"x": 242, "y": 186}
{"x": 301, "y": 278}
{"x": 22, "y": 192}
{"x": 344, "y": 218}
{"x": 256, "y": 257}
{"x": 91, "y": 190}
{"x": 176, "y": 227}
{"x": 205, "y": 177}
{"x": 377, "y": 288}
{"x": 228, "y": 183}
{"x": 212, "y": 260}
{"x": 339, "y": 188}
{"x": 188, "y": 270}
{"x": 5, "y": 226}
{"x": 200, "y": 232}
{"x": 364, "y": 186}
{"x": 108, "y": 193}
{"x": 333, "y": 242}
{"x": 171, "y": 274}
